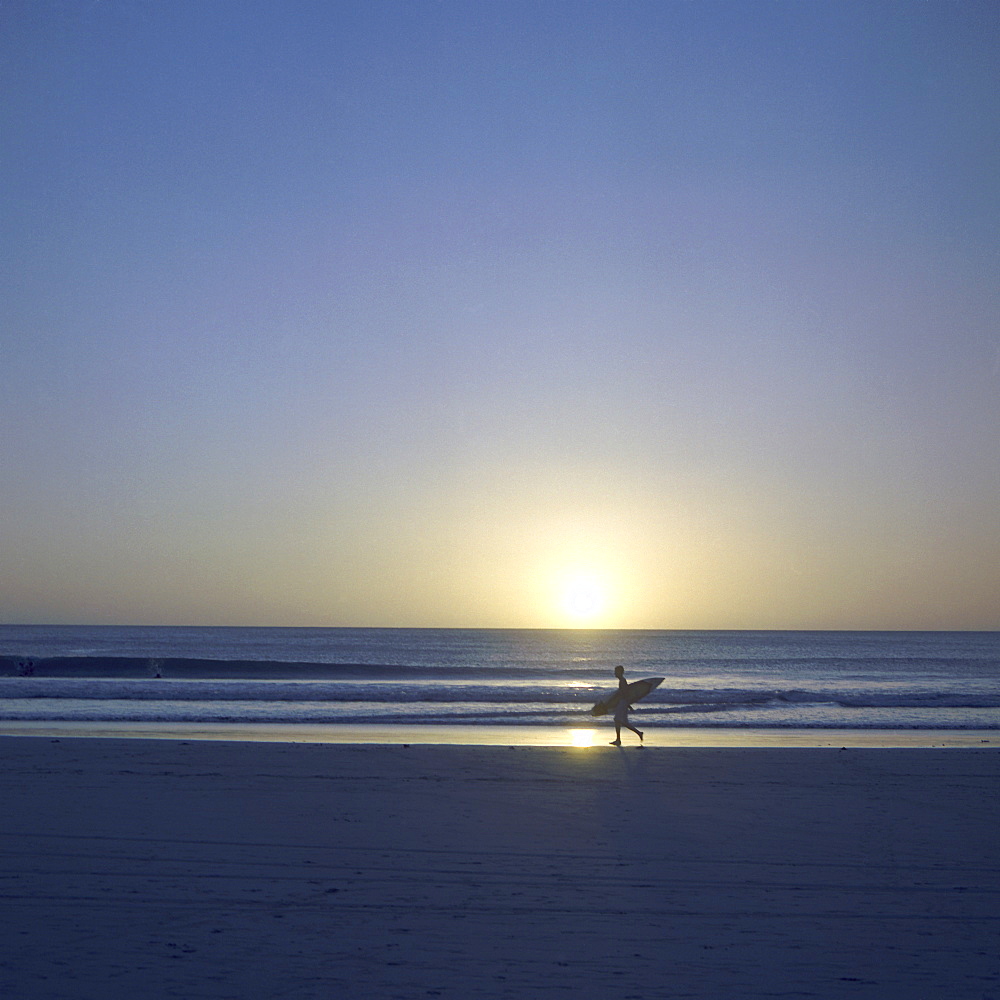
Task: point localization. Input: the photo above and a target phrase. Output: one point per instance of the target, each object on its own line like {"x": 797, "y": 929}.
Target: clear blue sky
{"x": 427, "y": 313}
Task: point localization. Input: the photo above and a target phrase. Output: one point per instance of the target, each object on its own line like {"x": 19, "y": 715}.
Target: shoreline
{"x": 582, "y": 737}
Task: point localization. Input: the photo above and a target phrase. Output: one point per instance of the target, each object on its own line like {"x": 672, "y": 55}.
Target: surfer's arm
{"x": 623, "y": 688}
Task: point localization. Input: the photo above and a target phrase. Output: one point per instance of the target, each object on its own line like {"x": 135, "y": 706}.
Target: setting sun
{"x": 584, "y": 599}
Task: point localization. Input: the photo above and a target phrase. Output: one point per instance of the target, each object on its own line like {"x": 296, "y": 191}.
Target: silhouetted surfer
{"x": 622, "y": 709}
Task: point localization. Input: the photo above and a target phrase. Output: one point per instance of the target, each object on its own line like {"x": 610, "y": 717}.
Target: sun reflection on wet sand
{"x": 524, "y": 736}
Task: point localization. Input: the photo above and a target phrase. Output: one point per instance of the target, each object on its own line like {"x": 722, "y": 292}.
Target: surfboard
{"x": 635, "y": 691}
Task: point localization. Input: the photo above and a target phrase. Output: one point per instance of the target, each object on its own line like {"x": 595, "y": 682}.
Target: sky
{"x": 500, "y": 314}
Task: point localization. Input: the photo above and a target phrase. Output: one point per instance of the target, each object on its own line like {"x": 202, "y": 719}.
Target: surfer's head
{"x": 619, "y": 671}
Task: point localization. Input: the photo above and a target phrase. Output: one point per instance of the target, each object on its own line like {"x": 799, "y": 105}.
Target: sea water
{"x": 491, "y": 677}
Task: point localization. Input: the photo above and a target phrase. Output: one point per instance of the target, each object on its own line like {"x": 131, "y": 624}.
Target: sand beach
{"x": 211, "y": 869}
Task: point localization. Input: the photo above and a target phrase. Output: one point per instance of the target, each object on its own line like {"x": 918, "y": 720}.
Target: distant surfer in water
{"x": 622, "y": 709}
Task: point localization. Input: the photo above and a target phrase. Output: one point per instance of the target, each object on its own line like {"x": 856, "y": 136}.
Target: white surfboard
{"x": 635, "y": 691}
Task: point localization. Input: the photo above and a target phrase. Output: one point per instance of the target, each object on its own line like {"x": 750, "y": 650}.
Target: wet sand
{"x": 598, "y": 734}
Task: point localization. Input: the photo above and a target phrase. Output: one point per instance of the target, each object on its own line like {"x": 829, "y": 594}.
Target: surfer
{"x": 622, "y": 709}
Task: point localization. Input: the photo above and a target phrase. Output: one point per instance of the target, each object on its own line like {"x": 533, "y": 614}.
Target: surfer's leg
{"x": 617, "y": 741}
{"x": 638, "y": 732}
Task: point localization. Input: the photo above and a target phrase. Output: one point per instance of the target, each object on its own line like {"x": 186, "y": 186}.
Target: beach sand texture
{"x": 159, "y": 869}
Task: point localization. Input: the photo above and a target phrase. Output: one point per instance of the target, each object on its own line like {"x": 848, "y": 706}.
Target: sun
{"x": 583, "y": 598}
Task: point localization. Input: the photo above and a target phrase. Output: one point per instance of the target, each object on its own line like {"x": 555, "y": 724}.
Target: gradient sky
{"x": 410, "y": 313}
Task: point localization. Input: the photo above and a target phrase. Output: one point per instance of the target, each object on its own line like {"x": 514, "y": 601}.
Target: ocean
{"x": 498, "y": 677}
